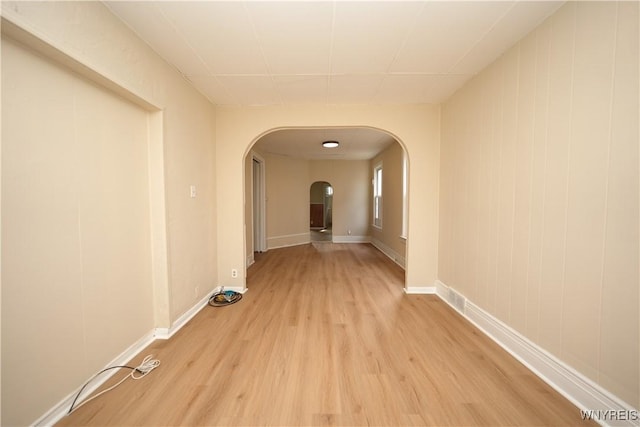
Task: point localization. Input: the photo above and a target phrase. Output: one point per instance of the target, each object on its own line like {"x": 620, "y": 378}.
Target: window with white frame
{"x": 377, "y": 195}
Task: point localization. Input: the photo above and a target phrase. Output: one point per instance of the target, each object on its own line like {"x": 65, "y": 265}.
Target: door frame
{"x": 258, "y": 208}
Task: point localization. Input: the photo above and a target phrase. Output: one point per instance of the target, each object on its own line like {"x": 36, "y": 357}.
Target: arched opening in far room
{"x": 321, "y": 211}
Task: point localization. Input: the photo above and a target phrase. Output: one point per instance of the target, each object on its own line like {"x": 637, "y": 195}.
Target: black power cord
{"x": 94, "y": 377}
{"x": 142, "y": 370}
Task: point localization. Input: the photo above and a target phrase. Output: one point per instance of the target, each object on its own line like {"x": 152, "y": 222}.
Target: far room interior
{"x": 297, "y": 173}
{"x": 484, "y": 211}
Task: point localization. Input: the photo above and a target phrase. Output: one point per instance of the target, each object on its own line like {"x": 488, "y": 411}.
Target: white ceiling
{"x": 329, "y": 53}
{"x": 356, "y": 143}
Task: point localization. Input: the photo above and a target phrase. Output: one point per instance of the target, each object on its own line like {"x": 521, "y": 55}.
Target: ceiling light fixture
{"x": 330, "y": 144}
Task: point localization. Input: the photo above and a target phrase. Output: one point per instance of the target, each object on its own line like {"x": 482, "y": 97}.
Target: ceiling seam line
{"x": 388, "y": 71}
{"x": 264, "y": 57}
{"x": 195, "y": 52}
{"x": 331, "y": 44}
{"x": 482, "y": 37}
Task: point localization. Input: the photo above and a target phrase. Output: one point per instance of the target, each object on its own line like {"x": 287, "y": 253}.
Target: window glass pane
{"x": 377, "y": 196}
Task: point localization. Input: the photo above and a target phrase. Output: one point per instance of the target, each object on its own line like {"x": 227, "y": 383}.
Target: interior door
{"x": 316, "y": 215}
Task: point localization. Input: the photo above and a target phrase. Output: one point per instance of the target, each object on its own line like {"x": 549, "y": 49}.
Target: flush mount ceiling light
{"x": 330, "y": 144}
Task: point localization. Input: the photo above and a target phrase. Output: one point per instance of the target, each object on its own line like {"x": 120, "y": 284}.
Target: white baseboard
{"x": 580, "y": 390}
{"x": 56, "y": 413}
{"x": 388, "y": 251}
{"x": 60, "y": 410}
{"x": 351, "y": 239}
{"x": 235, "y": 289}
{"x": 287, "y": 240}
{"x": 166, "y": 333}
{"x": 420, "y": 290}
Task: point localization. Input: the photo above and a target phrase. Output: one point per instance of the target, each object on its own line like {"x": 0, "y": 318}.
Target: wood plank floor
{"x": 326, "y": 336}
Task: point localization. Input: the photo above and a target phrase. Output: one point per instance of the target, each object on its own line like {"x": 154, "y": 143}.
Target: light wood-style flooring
{"x": 326, "y": 336}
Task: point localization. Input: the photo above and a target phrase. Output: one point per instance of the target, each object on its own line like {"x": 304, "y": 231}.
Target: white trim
{"x": 166, "y": 333}
{"x": 377, "y": 197}
{"x": 289, "y": 236}
{"x": 441, "y": 288}
{"x": 261, "y": 227}
{"x": 351, "y": 239}
{"x": 233, "y": 288}
{"x": 56, "y": 413}
{"x": 287, "y": 240}
{"x": 59, "y": 411}
{"x": 577, "y": 388}
{"x": 411, "y": 290}
{"x": 405, "y": 193}
{"x": 158, "y": 219}
{"x": 388, "y": 251}
{"x": 250, "y": 260}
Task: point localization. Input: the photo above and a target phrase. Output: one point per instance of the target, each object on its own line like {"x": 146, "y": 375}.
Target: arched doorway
{"x": 295, "y": 158}
{"x": 321, "y": 211}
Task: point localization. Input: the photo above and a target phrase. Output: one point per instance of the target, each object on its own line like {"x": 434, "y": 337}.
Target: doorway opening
{"x": 258, "y": 223}
{"x": 321, "y": 212}
{"x": 292, "y": 161}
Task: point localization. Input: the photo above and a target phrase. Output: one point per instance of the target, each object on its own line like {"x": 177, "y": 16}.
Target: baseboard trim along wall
{"x": 388, "y": 251}
{"x": 56, "y": 413}
{"x": 60, "y": 410}
{"x": 287, "y": 240}
{"x": 351, "y": 239}
{"x": 420, "y": 290}
{"x": 166, "y": 333}
{"x": 578, "y": 389}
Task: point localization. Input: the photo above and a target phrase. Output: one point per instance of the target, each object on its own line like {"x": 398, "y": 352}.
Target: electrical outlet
{"x": 196, "y": 291}
{"x": 192, "y": 191}
{"x": 234, "y": 273}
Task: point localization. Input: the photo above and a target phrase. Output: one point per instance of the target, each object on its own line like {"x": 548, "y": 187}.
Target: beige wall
{"x": 539, "y": 194}
{"x": 90, "y": 33}
{"x": 316, "y": 195}
{"x": 287, "y": 208}
{"x": 59, "y": 231}
{"x": 76, "y": 276}
{"x": 288, "y": 184}
{"x": 392, "y": 209}
{"x": 539, "y": 191}
{"x": 417, "y": 127}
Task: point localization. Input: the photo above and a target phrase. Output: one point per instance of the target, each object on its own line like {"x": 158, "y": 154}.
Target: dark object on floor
{"x": 222, "y": 298}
